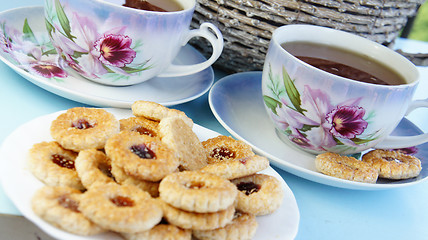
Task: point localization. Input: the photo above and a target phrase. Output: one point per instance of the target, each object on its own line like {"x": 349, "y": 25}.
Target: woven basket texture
{"x": 247, "y": 25}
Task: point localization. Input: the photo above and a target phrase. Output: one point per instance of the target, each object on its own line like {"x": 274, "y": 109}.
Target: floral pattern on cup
{"x": 32, "y": 53}
{"x": 311, "y": 120}
{"x": 93, "y": 54}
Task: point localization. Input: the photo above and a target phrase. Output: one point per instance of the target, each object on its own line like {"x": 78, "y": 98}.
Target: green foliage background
{"x": 420, "y": 28}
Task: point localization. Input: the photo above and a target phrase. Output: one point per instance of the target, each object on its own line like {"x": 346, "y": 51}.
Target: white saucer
{"x": 20, "y": 185}
{"x": 166, "y": 91}
{"x": 237, "y": 103}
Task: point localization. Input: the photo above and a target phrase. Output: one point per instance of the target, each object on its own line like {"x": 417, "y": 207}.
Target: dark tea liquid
{"x": 344, "y": 63}
{"x": 158, "y": 5}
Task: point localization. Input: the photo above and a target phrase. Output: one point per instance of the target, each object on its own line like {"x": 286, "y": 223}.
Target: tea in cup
{"x": 327, "y": 90}
{"x": 118, "y": 42}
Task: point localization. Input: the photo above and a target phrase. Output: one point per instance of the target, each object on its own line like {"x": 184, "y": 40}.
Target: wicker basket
{"x": 247, "y": 25}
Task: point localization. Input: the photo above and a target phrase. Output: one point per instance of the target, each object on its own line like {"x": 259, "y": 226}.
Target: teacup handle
{"x": 393, "y": 142}
{"x": 208, "y": 31}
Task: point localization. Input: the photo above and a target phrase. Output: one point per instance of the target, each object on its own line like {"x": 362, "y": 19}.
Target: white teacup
{"x": 115, "y": 45}
{"x": 319, "y": 111}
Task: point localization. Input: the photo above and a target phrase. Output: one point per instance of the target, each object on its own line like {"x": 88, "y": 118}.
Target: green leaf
{"x": 49, "y": 27}
{"x": 28, "y": 33}
{"x": 63, "y": 20}
{"x": 49, "y": 52}
{"x": 307, "y": 127}
{"x": 271, "y": 103}
{"x": 362, "y": 141}
{"x": 292, "y": 91}
{"x": 134, "y": 70}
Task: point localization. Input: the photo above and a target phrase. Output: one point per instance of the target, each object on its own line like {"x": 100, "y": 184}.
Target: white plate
{"x": 20, "y": 185}
{"x": 166, "y": 91}
{"x": 236, "y": 101}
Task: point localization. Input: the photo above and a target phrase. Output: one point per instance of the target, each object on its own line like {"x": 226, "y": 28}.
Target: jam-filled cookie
{"x": 93, "y": 167}
{"x": 53, "y": 165}
{"x": 141, "y": 156}
{"x": 259, "y": 194}
{"x": 197, "y": 191}
{"x": 59, "y": 206}
{"x": 120, "y": 208}
{"x": 141, "y": 125}
{"x": 222, "y": 148}
{"x": 82, "y": 128}
{"x": 393, "y": 164}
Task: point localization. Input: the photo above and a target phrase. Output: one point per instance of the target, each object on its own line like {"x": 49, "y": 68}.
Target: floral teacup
{"x": 108, "y": 43}
{"x": 318, "y": 111}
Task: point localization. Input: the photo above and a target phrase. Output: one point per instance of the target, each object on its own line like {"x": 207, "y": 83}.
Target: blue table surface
{"x": 325, "y": 212}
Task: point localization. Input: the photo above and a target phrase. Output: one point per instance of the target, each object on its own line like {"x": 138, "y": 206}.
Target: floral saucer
{"x": 25, "y": 47}
{"x": 237, "y": 103}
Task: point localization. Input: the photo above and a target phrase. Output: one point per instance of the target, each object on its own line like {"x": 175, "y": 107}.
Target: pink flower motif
{"x": 347, "y": 121}
{"x": 115, "y": 50}
{"x": 49, "y": 70}
{"x": 289, "y": 118}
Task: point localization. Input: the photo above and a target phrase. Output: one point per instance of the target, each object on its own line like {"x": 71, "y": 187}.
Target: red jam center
{"x": 144, "y": 131}
{"x": 68, "y": 203}
{"x": 248, "y": 187}
{"x": 222, "y": 153}
{"x": 143, "y": 151}
{"x": 105, "y": 169}
{"x": 121, "y": 201}
{"x": 62, "y": 161}
{"x": 82, "y": 124}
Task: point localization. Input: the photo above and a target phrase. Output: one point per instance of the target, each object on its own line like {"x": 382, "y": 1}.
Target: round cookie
{"x": 236, "y": 168}
{"x": 259, "y": 194}
{"x": 242, "y": 227}
{"x": 157, "y": 112}
{"x": 53, "y": 165}
{"x": 197, "y": 191}
{"x": 141, "y": 125}
{"x": 161, "y": 232}
{"x": 93, "y": 167}
{"x": 197, "y": 221}
{"x": 349, "y": 168}
{"x": 121, "y": 177}
{"x": 222, "y": 148}
{"x": 141, "y": 156}
{"x": 59, "y": 206}
{"x": 393, "y": 164}
{"x": 120, "y": 208}
{"x": 82, "y": 128}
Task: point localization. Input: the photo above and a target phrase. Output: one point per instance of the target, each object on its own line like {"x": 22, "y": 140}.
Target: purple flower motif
{"x": 347, "y": 121}
{"x": 409, "y": 150}
{"x": 115, "y": 50}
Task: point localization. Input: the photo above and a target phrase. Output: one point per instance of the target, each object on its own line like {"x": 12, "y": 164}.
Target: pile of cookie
{"x": 149, "y": 177}
{"x": 377, "y": 163}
